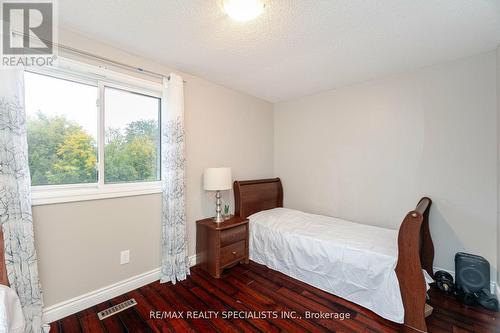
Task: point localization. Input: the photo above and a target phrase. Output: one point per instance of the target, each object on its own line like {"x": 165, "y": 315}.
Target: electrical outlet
{"x": 124, "y": 257}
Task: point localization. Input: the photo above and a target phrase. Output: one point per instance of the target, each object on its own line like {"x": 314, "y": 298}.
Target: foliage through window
{"x": 62, "y": 130}
{"x": 132, "y": 133}
{"x": 64, "y": 126}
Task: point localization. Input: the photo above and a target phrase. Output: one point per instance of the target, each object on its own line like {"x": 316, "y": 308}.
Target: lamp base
{"x": 218, "y": 218}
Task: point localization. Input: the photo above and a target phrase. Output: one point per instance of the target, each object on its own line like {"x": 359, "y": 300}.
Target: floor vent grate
{"x": 116, "y": 308}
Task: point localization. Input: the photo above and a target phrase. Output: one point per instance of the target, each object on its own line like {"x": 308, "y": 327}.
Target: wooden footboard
{"x": 416, "y": 252}
{"x": 3, "y": 270}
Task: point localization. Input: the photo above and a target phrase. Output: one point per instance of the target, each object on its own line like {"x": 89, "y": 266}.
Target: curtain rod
{"x": 111, "y": 61}
{"x": 100, "y": 58}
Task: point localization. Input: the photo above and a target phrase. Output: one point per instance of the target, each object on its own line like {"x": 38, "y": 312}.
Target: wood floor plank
{"x": 461, "y": 330}
{"x": 70, "y": 324}
{"x": 254, "y": 288}
{"x": 290, "y": 305}
{"x": 144, "y": 309}
{"x": 253, "y": 295}
{"x": 296, "y": 305}
{"x": 110, "y": 324}
{"x": 164, "y": 308}
{"x": 349, "y": 324}
{"x": 217, "y": 305}
{"x": 89, "y": 321}
{"x": 260, "y": 302}
{"x": 448, "y": 302}
{"x": 230, "y": 302}
{"x": 197, "y": 303}
{"x": 168, "y": 295}
{"x": 436, "y": 329}
{"x": 374, "y": 325}
{"x": 130, "y": 319}
{"x": 55, "y": 327}
{"x": 262, "y": 273}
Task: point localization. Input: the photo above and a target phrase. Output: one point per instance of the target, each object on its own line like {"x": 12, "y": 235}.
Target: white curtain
{"x": 174, "y": 261}
{"x": 15, "y": 199}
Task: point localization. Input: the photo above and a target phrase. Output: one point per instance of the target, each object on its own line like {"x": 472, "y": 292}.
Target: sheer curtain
{"x": 15, "y": 199}
{"x": 174, "y": 261}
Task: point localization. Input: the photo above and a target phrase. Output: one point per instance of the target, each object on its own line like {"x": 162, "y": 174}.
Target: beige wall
{"x": 369, "y": 151}
{"x": 364, "y": 152}
{"x": 78, "y": 243}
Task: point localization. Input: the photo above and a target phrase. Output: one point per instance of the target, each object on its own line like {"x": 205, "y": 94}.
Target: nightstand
{"x": 221, "y": 245}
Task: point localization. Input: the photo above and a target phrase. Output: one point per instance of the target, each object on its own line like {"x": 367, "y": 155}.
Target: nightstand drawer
{"x": 232, "y": 253}
{"x": 230, "y": 236}
{"x": 221, "y": 245}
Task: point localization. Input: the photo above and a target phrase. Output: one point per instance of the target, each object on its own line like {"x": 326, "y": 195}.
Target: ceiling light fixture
{"x": 243, "y": 10}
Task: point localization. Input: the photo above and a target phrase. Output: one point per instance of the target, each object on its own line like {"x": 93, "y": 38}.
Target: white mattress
{"x": 351, "y": 260}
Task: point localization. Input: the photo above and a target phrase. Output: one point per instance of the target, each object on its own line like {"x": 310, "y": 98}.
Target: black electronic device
{"x": 444, "y": 281}
{"x": 472, "y": 272}
{"x": 472, "y": 285}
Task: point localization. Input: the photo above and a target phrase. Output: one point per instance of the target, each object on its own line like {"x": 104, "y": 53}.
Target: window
{"x": 132, "y": 133}
{"x": 62, "y": 130}
{"x": 90, "y": 138}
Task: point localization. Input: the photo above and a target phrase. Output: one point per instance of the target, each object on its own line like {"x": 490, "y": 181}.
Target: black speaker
{"x": 472, "y": 273}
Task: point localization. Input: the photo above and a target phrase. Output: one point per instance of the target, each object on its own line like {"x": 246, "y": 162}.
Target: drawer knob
{"x": 234, "y": 253}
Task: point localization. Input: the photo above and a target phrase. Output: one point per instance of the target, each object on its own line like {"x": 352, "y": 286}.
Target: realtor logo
{"x": 28, "y": 33}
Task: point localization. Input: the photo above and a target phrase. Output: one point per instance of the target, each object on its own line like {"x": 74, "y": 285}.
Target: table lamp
{"x": 217, "y": 179}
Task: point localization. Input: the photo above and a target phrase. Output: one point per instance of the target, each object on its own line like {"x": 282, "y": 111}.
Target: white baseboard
{"x": 193, "y": 260}
{"x": 494, "y": 288}
{"x": 82, "y": 302}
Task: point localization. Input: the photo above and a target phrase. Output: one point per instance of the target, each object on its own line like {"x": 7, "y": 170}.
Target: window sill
{"x": 47, "y": 195}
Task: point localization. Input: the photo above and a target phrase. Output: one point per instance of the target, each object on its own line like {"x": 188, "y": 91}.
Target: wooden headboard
{"x": 252, "y": 196}
{"x": 3, "y": 269}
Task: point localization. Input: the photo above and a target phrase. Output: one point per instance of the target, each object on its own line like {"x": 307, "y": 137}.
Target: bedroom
{"x": 360, "y": 108}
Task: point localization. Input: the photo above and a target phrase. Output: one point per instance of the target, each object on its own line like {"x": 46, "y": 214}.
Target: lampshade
{"x": 217, "y": 179}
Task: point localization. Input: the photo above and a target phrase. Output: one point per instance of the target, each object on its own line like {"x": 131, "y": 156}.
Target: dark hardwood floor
{"x": 255, "y": 289}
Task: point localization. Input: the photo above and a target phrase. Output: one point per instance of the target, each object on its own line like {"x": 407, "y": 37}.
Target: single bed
{"x": 377, "y": 268}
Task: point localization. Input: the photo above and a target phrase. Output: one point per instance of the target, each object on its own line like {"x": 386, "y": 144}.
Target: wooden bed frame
{"x": 416, "y": 250}
{"x": 3, "y": 269}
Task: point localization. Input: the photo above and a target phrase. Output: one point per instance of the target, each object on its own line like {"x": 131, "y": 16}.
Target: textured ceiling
{"x": 297, "y": 47}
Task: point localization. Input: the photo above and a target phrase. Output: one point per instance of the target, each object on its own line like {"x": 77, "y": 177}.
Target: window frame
{"x": 101, "y": 78}
{"x": 102, "y": 130}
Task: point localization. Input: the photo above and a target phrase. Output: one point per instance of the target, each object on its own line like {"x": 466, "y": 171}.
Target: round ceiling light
{"x": 243, "y": 10}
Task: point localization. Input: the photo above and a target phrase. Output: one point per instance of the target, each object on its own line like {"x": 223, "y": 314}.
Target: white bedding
{"x": 11, "y": 314}
{"x": 354, "y": 261}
